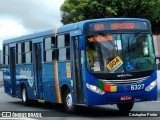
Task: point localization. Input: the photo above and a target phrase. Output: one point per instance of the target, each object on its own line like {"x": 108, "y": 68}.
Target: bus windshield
{"x": 118, "y": 53}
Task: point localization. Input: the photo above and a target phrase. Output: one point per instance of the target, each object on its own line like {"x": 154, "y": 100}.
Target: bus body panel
{"x": 122, "y": 90}
{"x": 48, "y": 82}
{"x": 25, "y": 75}
{"x": 65, "y": 76}
{"x": 114, "y": 98}
{"x": 7, "y": 80}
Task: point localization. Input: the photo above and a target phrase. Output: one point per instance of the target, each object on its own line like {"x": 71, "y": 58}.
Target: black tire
{"x": 67, "y": 99}
{"x": 24, "y": 96}
{"x": 126, "y": 107}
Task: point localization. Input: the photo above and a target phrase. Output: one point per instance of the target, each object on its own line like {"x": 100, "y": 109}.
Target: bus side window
{"x": 27, "y": 52}
{"x": 19, "y": 53}
{"x": 49, "y": 49}
{"x": 63, "y": 51}
{"x": 6, "y": 55}
{"x": 67, "y": 45}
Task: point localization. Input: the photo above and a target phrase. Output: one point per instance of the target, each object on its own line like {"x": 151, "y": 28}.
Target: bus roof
{"x": 66, "y": 28}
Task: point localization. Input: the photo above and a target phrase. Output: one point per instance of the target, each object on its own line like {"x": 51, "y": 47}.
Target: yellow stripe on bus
{"x": 55, "y": 31}
{"x": 56, "y": 82}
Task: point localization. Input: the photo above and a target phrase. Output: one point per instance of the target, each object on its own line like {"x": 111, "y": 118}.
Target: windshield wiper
{"x": 129, "y": 48}
{"x": 132, "y": 44}
{"x": 134, "y": 37}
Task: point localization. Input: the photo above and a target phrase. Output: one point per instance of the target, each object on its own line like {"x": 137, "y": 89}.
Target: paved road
{"x": 8, "y": 103}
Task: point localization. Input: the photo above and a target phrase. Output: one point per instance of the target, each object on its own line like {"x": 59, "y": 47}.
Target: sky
{"x": 21, "y": 17}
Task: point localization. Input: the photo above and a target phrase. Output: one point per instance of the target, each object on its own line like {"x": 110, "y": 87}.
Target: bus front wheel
{"x": 68, "y": 102}
{"x": 125, "y": 106}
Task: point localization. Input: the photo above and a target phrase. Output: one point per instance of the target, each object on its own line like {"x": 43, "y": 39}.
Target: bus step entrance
{"x": 41, "y": 101}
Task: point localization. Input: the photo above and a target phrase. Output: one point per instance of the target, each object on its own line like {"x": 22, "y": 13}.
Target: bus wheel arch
{"x": 67, "y": 99}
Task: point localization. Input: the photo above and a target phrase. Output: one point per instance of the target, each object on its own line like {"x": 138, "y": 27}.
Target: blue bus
{"x": 93, "y": 62}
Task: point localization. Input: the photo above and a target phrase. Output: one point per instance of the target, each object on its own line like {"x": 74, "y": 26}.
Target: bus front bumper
{"x": 120, "y": 97}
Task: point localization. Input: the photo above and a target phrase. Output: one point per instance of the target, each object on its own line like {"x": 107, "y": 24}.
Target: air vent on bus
{"x": 124, "y": 81}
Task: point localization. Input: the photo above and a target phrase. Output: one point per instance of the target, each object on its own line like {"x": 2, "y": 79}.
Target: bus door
{"x": 77, "y": 70}
{"x": 12, "y": 69}
{"x": 38, "y": 69}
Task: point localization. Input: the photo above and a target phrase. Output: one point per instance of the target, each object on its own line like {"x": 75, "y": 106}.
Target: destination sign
{"x": 117, "y": 25}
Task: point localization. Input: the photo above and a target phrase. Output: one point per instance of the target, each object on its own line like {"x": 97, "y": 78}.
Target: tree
{"x": 79, "y": 10}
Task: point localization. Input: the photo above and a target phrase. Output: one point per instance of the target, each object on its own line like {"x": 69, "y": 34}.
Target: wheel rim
{"x": 24, "y": 94}
{"x": 69, "y": 101}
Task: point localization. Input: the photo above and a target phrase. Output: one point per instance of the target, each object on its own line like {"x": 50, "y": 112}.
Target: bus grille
{"x": 124, "y": 81}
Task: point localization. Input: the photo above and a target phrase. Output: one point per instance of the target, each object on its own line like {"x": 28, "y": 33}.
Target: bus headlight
{"x": 95, "y": 89}
{"x": 151, "y": 86}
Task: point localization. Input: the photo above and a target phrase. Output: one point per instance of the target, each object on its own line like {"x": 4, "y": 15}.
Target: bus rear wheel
{"x": 125, "y": 106}
{"x": 68, "y": 102}
{"x": 24, "y": 95}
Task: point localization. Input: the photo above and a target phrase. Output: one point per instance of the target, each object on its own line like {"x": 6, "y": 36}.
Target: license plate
{"x": 124, "y": 98}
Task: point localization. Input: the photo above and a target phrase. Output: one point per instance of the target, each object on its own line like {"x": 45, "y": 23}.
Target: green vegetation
{"x": 78, "y": 10}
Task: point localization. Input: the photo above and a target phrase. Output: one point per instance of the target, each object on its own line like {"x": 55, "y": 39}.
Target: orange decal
{"x": 55, "y": 32}
{"x": 68, "y": 70}
{"x": 56, "y": 82}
